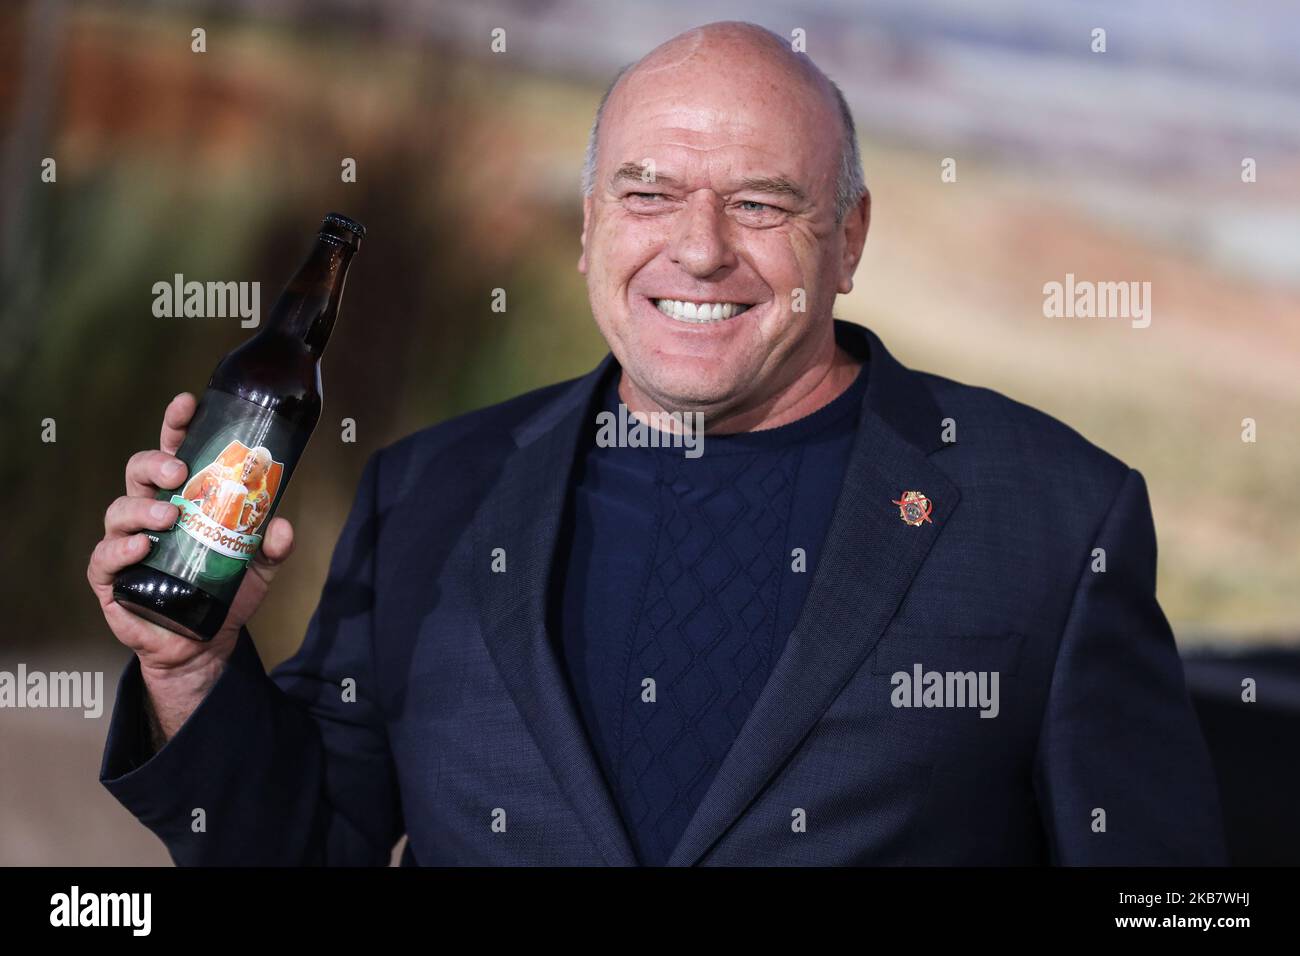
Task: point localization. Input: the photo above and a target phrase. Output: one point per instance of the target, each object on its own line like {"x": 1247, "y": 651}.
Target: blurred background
{"x": 1117, "y": 166}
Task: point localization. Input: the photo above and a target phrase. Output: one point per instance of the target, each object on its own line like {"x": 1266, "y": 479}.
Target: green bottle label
{"x": 239, "y": 456}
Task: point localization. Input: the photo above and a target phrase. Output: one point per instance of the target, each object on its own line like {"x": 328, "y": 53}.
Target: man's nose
{"x": 700, "y": 243}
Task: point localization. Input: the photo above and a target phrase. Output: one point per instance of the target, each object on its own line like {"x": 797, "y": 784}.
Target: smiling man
{"x": 713, "y": 256}
{"x": 883, "y": 618}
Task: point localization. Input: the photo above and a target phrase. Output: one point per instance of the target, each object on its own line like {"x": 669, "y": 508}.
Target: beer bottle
{"x": 247, "y": 434}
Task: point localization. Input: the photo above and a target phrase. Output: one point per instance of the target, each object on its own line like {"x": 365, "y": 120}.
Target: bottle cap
{"x": 334, "y": 221}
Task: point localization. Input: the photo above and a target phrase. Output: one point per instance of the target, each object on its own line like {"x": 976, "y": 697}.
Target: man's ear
{"x": 586, "y": 222}
{"x": 856, "y": 223}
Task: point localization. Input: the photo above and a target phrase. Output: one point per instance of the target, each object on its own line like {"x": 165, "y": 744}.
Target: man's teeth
{"x": 699, "y": 311}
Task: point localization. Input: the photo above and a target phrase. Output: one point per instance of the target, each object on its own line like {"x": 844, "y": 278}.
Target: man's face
{"x": 737, "y": 212}
{"x": 255, "y": 465}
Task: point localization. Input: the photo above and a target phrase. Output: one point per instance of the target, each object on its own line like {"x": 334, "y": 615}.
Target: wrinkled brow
{"x": 632, "y": 172}
{"x": 772, "y": 185}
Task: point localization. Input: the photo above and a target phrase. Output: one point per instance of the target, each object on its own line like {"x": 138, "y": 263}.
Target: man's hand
{"x": 178, "y": 672}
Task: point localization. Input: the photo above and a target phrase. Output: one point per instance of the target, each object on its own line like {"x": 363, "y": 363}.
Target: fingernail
{"x": 171, "y": 469}
{"x": 160, "y": 510}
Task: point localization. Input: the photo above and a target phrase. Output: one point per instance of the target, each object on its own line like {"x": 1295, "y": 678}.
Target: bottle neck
{"x": 309, "y": 304}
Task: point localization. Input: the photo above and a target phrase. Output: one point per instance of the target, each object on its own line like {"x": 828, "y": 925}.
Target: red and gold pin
{"x": 914, "y": 508}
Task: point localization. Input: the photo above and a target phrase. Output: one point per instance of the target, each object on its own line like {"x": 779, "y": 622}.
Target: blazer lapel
{"x": 521, "y": 514}
{"x": 866, "y": 567}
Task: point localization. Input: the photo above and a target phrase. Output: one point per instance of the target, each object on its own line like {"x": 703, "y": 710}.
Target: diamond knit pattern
{"x": 676, "y": 573}
{"x": 706, "y": 633}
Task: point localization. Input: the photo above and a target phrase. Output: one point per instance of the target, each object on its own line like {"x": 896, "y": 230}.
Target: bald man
{"x": 734, "y": 597}
{"x": 233, "y": 495}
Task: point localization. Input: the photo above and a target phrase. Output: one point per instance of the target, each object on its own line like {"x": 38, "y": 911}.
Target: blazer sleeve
{"x": 1119, "y": 734}
{"x": 291, "y": 768}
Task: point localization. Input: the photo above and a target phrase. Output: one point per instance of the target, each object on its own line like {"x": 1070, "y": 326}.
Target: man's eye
{"x": 751, "y": 212}
{"x": 646, "y": 196}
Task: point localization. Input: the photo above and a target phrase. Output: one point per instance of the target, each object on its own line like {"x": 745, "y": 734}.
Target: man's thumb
{"x": 276, "y": 547}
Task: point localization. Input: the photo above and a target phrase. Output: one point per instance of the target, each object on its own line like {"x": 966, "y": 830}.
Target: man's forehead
{"x": 731, "y": 157}
{"x": 705, "y": 116}
{"x": 709, "y": 99}
{"x": 690, "y": 143}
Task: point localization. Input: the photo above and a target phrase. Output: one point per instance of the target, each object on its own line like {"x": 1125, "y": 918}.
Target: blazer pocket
{"x": 938, "y": 651}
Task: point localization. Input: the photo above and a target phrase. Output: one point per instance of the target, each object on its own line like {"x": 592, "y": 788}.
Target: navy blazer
{"x": 428, "y": 698}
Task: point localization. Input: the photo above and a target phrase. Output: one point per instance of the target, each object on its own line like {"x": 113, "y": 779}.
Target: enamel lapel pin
{"x": 914, "y": 508}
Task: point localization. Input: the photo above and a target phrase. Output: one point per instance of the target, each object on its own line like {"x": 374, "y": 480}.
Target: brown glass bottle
{"x": 247, "y": 435}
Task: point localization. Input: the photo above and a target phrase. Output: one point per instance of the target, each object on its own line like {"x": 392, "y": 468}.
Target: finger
{"x": 278, "y": 543}
{"x": 147, "y": 471}
{"x": 111, "y": 555}
{"x": 128, "y": 515}
{"x": 276, "y": 547}
{"x": 176, "y": 420}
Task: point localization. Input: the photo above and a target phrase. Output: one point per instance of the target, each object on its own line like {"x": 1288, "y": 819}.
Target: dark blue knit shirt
{"x": 675, "y": 591}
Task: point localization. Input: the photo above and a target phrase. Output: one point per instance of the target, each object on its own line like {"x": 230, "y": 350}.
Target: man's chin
{"x": 686, "y": 384}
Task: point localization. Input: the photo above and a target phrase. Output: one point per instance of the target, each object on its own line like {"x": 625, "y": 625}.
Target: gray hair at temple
{"x": 850, "y": 184}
